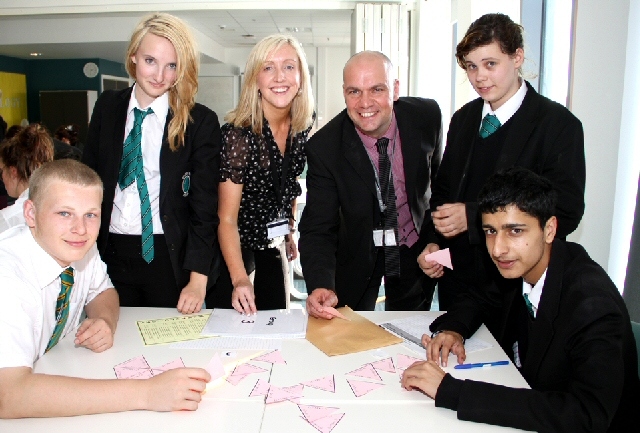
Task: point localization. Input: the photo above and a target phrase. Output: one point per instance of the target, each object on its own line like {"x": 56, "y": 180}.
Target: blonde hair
{"x": 249, "y": 109}
{"x": 63, "y": 170}
{"x": 182, "y": 95}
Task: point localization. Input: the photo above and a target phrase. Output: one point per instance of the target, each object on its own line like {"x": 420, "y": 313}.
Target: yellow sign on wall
{"x": 13, "y": 97}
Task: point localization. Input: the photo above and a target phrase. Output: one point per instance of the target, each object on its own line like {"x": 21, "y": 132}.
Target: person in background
{"x": 157, "y": 152}
{"x": 19, "y": 157}
{"x": 370, "y": 169}
{"x": 69, "y": 135}
{"x": 564, "y": 325}
{"x": 50, "y": 275}
{"x": 262, "y": 157}
{"x": 510, "y": 124}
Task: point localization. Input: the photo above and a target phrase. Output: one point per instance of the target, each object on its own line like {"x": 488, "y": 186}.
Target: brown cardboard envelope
{"x": 339, "y": 337}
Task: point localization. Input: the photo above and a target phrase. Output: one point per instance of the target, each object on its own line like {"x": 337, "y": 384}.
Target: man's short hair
{"x": 521, "y": 188}
{"x": 65, "y": 170}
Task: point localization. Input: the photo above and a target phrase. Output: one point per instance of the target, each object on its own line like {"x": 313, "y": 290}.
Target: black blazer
{"x": 581, "y": 361}
{"x": 189, "y": 221}
{"x": 544, "y": 137}
{"x": 336, "y": 229}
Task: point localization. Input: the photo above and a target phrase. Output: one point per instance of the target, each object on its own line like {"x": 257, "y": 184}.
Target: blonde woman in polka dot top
{"x": 262, "y": 157}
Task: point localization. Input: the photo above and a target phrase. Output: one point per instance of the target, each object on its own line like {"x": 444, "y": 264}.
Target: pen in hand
{"x": 480, "y": 364}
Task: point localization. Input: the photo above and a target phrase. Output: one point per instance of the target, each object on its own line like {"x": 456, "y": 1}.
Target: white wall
{"x": 597, "y": 94}
{"x": 628, "y": 155}
{"x": 329, "y": 97}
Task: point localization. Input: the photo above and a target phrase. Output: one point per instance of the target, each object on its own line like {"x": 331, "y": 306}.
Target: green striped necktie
{"x": 490, "y": 124}
{"x": 62, "y": 306}
{"x": 131, "y": 169}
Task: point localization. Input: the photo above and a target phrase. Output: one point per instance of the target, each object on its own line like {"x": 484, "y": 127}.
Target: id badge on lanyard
{"x": 280, "y": 225}
{"x": 384, "y": 238}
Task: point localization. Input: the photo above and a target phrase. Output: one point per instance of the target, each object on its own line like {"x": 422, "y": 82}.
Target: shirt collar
{"x": 160, "y": 105}
{"x": 48, "y": 268}
{"x": 370, "y": 142}
{"x": 534, "y": 292}
{"x": 509, "y": 108}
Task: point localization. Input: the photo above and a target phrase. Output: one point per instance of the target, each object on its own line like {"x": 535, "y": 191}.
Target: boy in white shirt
{"x": 49, "y": 271}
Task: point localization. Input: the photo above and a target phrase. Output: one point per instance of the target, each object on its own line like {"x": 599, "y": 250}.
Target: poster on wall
{"x": 13, "y": 97}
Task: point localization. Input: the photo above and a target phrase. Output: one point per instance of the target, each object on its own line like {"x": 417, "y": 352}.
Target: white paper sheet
{"x": 263, "y": 324}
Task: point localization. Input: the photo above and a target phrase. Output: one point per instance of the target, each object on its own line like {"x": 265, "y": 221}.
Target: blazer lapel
{"x": 411, "y": 139}
{"x": 468, "y": 133}
{"x": 524, "y": 121}
{"x": 168, "y": 160}
{"x": 356, "y": 155}
{"x": 120, "y": 113}
{"x": 543, "y": 328}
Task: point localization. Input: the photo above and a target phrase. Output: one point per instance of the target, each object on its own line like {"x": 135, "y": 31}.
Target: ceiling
{"x": 106, "y": 35}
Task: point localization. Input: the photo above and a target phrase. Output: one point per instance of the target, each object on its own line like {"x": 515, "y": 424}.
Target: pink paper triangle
{"x": 404, "y": 361}
{"x": 244, "y": 369}
{"x": 441, "y": 256}
{"x": 274, "y": 357}
{"x": 134, "y": 368}
{"x": 176, "y": 363}
{"x": 326, "y": 424}
{"x": 361, "y": 388}
{"x": 366, "y": 371}
{"x": 312, "y": 413}
{"x": 277, "y": 394}
{"x": 261, "y": 388}
{"x": 215, "y": 367}
{"x": 327, "y": 383}
{"x": 334, "y": 313}
{"x": 235, "y": 379}
{"x": 384, "y": 365}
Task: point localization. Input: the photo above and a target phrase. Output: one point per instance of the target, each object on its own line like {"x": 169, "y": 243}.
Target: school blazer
{"x": 188, "y": 183}
{"x": 581, "y": 361}
{"x": 336, "y": 229}
{"x": 544, "y": 137}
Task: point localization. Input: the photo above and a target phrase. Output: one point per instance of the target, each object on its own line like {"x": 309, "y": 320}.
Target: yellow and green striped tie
{"x": 62, "y": 306}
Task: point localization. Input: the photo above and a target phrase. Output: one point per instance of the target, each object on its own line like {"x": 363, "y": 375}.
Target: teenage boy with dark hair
{"x": 566, "y": 327}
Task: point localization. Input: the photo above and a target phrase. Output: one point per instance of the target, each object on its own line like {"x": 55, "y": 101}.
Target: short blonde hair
{"x": 249, "y": 109}
{"x": 64, "y": 170}
{"x": 182, "y": 96}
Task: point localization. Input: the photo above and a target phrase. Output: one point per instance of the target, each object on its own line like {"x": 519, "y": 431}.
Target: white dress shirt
{"x": 125, "y": 216}
{"x": 29, "y": 288}
{"x": 509, "y": 108}
{"x": 534, "y": 292}
{"x": 13, "y": 215}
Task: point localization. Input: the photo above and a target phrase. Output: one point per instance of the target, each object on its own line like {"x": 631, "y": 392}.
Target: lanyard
{"x": 381, "y": 202}
{"x": 280, "y": 181}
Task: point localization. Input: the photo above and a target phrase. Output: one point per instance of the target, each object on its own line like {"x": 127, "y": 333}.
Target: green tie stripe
{"x": 131, "y": 168}
{"x": 529, "y": 304}
{"x": 62, "y": 306}
{"x": 490, "y": 124}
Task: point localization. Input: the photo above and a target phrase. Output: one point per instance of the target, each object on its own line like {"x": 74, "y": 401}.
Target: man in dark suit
{"x": 368, "y": 191}
{"x": 565, "y": 326}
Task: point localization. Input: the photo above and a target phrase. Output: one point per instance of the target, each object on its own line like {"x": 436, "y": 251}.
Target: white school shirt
{"x": 534, "y": 292}
{"x": 13, "y": 215}
{"x": 29, "y": 288}
{"x": 125, "y": 216}
{"x": 509, "y": 108}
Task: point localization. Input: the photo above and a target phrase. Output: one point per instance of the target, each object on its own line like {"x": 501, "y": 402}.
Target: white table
{"x": 228, "y": 408}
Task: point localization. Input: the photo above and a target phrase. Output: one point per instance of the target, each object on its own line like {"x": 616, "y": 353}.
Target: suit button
{"x": 172, "y": 247}
{"x": 165, "y": 218}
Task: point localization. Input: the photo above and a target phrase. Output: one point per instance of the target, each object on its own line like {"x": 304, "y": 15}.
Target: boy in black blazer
{"x": 564, "y": 325}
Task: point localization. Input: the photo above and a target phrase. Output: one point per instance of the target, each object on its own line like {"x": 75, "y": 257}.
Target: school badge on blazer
{"x": 186, "y": 183}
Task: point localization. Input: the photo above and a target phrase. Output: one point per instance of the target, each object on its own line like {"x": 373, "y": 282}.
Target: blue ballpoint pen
{"x": 480, "y": 364}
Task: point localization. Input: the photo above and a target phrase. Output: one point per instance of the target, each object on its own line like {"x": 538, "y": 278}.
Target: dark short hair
{"x": 489, "y": 28}
{"x": 522, "y": 188}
